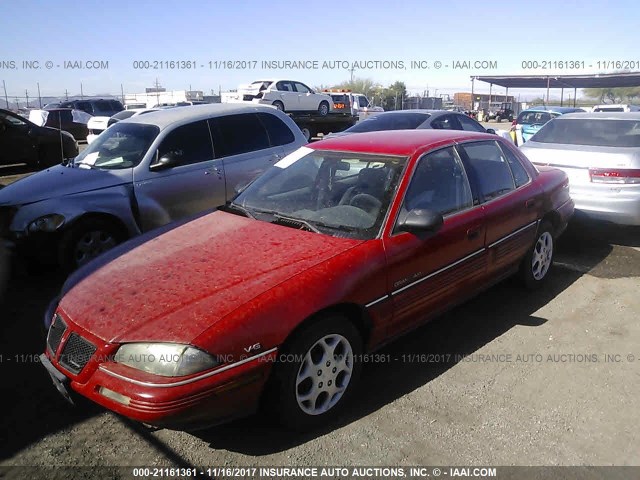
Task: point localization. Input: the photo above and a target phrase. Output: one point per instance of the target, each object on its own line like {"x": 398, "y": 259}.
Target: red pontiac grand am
{"x": 272, "y": 300}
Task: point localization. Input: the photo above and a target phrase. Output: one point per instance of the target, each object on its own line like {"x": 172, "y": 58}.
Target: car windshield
{"x": 589, "y": 131}
{"x": 120, "y": 146}
{"x": 394, "y": 121}
{"x": 338, "y": 193}
{"x": 534, "y": 118}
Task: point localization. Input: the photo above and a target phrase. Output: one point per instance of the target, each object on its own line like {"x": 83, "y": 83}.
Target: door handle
{"x": 530, "y": 203}
{"x": 473, "y": 233}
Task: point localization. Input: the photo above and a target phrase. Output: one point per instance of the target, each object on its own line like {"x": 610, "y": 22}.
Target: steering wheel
{"x": 366, "y": 202}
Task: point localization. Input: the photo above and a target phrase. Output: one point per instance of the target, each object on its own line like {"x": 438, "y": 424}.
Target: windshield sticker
{"x": 294, "y": 157}
{"x": 91, "y": 158}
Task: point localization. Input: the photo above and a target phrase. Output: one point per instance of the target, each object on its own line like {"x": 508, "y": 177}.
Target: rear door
{"x": 195, "y": 184}
{"x": 244, "y": 145}
{"x": 288, "y": 96}
{"x": 509, "y": 198}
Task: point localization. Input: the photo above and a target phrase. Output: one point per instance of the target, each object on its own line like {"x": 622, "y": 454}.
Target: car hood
{"x": 56, "y": 182}
{"x": 175, "y": 286}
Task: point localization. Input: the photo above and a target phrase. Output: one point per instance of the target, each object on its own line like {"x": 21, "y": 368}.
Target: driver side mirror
{"x": 421, "y": 221}
{"x": 491, "y": 130}
{"x": 168, "y": 160}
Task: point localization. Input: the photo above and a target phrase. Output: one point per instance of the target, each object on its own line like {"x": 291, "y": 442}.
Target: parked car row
{"x": 272, "y": 300}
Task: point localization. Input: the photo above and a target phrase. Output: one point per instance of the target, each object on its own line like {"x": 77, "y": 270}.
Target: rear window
{"x": 404, "y": 121}
{"x": 608, "y": 109}
{"x": 534, "y": 118}
{"x": 123, "y": 114}
{"x": 588, "y": 131}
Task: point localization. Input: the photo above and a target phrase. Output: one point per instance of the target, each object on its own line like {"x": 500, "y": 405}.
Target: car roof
{"x": 552, "y": 109}
{"x": 603, "y": 115}
{"x": 414, "y": 110}
{"x": 164, "y": 118}
{"x": 397, "y": 142}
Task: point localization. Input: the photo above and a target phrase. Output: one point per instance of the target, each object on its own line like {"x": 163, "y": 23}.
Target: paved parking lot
{"x": 510, "y": 378}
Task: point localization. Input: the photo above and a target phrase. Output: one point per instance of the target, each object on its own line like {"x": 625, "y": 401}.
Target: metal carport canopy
{"x": 601, "y": 80}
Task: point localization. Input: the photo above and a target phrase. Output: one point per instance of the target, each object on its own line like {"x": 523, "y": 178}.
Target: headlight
{"x": 165, "y": 359}
{"x": 48, "y": 223}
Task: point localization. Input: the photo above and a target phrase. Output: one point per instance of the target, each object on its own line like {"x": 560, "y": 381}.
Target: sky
{"x": 131, "y": 44}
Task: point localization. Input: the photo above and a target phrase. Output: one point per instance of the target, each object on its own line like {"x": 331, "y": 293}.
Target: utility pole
{"x": 352, "y": 69}
{"x": 122, "y": 92}
{"x": 26, "y": 94}
{"x": 66, "y": 94}
{"x": 39, "y": 97}
{"x": 157, "y": 87}
{"x": 81, "y": 92}
{"x": 6, "y": 99}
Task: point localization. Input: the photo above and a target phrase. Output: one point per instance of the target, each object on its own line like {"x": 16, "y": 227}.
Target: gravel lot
{"x": 515, "y": 378}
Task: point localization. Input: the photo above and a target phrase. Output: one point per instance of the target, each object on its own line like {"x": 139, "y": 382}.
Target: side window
{"x": 490, "y": 169}
{"x": 84, "y": 106}
{"x": 520, "y": 175}
{"x": 470, "y": 125}
{"x": 284, "y": 86}
{"x": 439, "y": 183}
{"x": 445, "y": 122}
{"x": 301, "y": 88}
{"x": 279, "y": 133}
{"x": 241, "y": 133}
{"x": 363, "y": 102}
{"x": 189, "y": 144}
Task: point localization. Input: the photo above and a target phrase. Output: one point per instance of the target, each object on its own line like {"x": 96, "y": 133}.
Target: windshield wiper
{"x": 238, "y": 208}
{"x": 289, "y": 221}
{"x": 345, "y": 228}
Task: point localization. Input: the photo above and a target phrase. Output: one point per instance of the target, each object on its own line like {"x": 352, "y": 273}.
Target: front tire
{"x": 86, "y": 240}
{"x": 535, "y": 266}
{"x": 319, "y": 374}
{"x": 323, "y": 109}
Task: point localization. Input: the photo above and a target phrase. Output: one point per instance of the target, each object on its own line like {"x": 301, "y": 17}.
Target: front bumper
{"x": 184, "y": 403}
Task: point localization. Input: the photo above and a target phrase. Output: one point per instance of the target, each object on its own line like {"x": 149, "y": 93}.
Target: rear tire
{"x": 279, "y": 105}
{"x": 535, "y": 267}
{"x": 319, "y": 375}
{"x": 308, "y": 134}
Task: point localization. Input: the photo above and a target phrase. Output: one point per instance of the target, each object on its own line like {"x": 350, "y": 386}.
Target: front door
{"x": 194, "y": 183}
{"x": 16, "y": 144}
{"x": 428, "y": 273}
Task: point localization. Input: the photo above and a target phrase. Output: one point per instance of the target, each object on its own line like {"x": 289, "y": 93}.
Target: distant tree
{"x": 358, "y": 85}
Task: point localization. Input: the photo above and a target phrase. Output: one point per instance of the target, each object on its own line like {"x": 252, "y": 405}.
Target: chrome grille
{"x": 56, "y": 330}
{"x": 76, "y": 353}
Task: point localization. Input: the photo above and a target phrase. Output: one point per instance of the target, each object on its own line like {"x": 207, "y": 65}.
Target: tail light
{"x": 614, "y": 175}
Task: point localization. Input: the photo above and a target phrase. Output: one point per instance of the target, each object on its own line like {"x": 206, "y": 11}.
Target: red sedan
{"x": 274, "y": 299}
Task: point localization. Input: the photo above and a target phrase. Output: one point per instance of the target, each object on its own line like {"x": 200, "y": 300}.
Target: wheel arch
{"x": 356, "y": 313}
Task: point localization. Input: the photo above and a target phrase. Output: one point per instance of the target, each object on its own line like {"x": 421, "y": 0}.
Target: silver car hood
{"x": 59, "y": 181}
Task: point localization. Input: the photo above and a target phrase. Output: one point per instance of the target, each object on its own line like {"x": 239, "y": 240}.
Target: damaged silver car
{"x": 140, "y": 174}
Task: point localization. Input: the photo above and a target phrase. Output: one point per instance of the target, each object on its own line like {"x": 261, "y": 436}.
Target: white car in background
{"x": 97, "y": 125}
{"x": 286, "y": 95}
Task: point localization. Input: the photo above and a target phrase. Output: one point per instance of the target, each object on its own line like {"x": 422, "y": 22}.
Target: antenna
{"x": 60, "y": 130}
